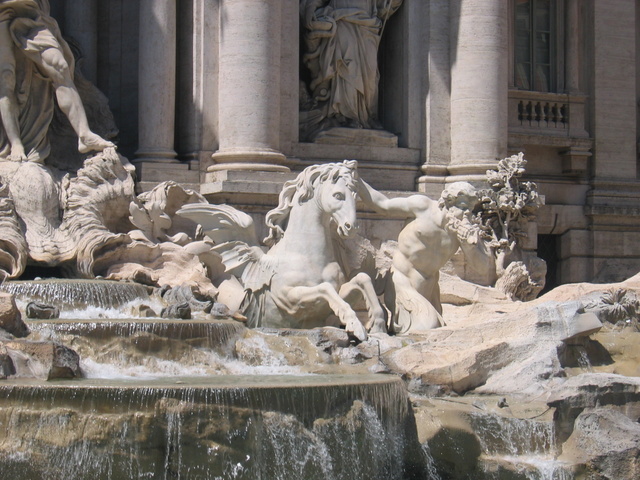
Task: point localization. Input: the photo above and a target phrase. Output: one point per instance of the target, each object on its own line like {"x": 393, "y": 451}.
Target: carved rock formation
{"x": 10, "y": 317}
{"x": 43, "y": 360}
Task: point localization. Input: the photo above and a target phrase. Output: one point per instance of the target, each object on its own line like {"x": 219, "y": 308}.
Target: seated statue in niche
{"x": 432, "y": 236}
{"x": 35, "y": 64}
{"x": 341, "y": 54}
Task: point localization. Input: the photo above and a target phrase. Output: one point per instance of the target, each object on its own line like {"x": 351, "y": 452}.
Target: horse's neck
{"x": 308, "y": 231}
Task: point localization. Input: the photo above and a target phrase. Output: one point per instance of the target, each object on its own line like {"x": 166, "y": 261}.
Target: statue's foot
{"x": 93, "y": 143}
{"x": 17, "y": 154}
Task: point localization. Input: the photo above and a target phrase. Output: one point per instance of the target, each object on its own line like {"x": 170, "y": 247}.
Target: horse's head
{"x": 336, "y": 196}
{"x": 333, "y": 188}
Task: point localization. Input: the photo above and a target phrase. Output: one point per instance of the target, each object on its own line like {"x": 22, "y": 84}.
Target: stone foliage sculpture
{"x": 508, "y": 205}
{"x": 298, "y": 282}
{"x": 341, "y": 39}
{"x": 36, "y": 64}
{"x": 13, "y": 247}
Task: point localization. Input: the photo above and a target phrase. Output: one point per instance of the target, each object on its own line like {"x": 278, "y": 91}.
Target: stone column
{"x": 438, "y": 102}
{"x": 572, "y": 71}
{"x": 479, "y": 85}
{"x": 81, "y": 24}
{"x": 249, "y": 86}
{"x": 613, "y": 114}
{"x": 575, "y": 160}
{"x": 157, "y": 81}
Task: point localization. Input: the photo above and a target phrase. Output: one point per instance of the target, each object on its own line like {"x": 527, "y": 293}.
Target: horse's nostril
{"x": 347, "y": 225}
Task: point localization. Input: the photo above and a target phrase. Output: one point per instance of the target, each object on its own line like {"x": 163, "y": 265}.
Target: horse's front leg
{"x": 361, "y": 285}
{"x": 307, "y": 296}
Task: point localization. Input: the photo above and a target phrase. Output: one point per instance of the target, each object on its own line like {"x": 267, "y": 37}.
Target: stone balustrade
{"x": 547, "y": 114}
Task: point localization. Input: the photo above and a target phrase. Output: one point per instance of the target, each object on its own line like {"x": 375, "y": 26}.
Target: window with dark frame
{"x": 535, "y": 44}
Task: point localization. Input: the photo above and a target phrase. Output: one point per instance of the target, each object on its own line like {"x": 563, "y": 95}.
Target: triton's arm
{"x": 409, "y": 206}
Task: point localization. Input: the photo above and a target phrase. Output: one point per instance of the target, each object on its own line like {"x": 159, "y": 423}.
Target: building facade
{"x": 209, "y": 93}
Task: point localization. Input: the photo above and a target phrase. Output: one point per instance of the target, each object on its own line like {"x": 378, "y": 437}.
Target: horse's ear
{"x": 351, "y": 164}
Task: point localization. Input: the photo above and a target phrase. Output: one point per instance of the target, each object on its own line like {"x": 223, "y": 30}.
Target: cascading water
{"x": 484, "y": 438}
{"x": 161, "y": 401}
{"x": 524, "y": 446}
{"x": 76, "y": 295}
{"x": 240, "y": 427}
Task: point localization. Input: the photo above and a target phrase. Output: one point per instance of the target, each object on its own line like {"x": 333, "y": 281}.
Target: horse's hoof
{"x": 357, "y": 331}
{"x": 378, "y": 326}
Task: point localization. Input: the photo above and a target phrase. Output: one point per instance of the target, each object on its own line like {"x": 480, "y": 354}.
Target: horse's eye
{"x": 339, "y": 196}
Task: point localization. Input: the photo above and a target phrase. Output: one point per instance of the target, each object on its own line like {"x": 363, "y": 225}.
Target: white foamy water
{"x": 155, "y": 367}
{"x": 538, "y": 467}
{"x": 90, "y": 312}
{"x": 158, "y": 369}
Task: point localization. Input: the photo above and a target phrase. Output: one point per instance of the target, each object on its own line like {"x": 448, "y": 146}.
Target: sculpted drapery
{"x": 341, "y": 53}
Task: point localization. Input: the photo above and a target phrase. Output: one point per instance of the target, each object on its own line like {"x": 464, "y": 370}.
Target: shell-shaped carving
{"x": 97, "y": 208}
{"x": 13, "y": 246}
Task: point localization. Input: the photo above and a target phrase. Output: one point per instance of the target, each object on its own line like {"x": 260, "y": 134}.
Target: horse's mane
{"x": 304, "y": 185}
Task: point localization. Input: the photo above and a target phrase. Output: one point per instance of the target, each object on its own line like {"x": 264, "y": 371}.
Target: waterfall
{"x": 69, "y": 294}
{"x": 225, "y": 427}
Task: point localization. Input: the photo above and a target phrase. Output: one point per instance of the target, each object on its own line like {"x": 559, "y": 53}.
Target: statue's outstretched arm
{"x": 409, "y": 206}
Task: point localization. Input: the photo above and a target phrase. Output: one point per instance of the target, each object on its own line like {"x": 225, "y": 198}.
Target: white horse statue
{"x": 298, "y": 282}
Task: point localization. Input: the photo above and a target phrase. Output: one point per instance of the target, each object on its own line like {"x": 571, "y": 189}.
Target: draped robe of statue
{"x": 342, "y": 39}
{"x": 32, "y": 30}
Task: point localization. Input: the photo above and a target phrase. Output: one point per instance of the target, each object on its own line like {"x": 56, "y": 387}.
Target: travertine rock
{"x": 590, "y": 390}
{"x": 144, "y": 311}
{"x": 183, "y": 293}
{"x": 605, "y": 444}
{"x": 43, "y": 360}
{"x": 41, "y": 311}
{"x": 6, "y": 364}
{"x": 497, "y": 347}
{"x": 10, "y": 317}
{"x": 178, "y": 310}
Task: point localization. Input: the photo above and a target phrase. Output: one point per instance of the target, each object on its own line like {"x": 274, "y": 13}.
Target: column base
{"x": 244, "y": 186}
{"x": 156, "y": 156}
{"x": 437, "y": 176}
{"x": 150, "y": 173}
{"x": 259, "y": 160}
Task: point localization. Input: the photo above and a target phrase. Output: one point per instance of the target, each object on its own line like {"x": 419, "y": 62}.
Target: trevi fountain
{"x": 187, "y": 340}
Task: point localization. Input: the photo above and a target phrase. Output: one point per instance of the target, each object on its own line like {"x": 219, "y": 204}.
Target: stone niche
{"x": 392, "y": 132}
